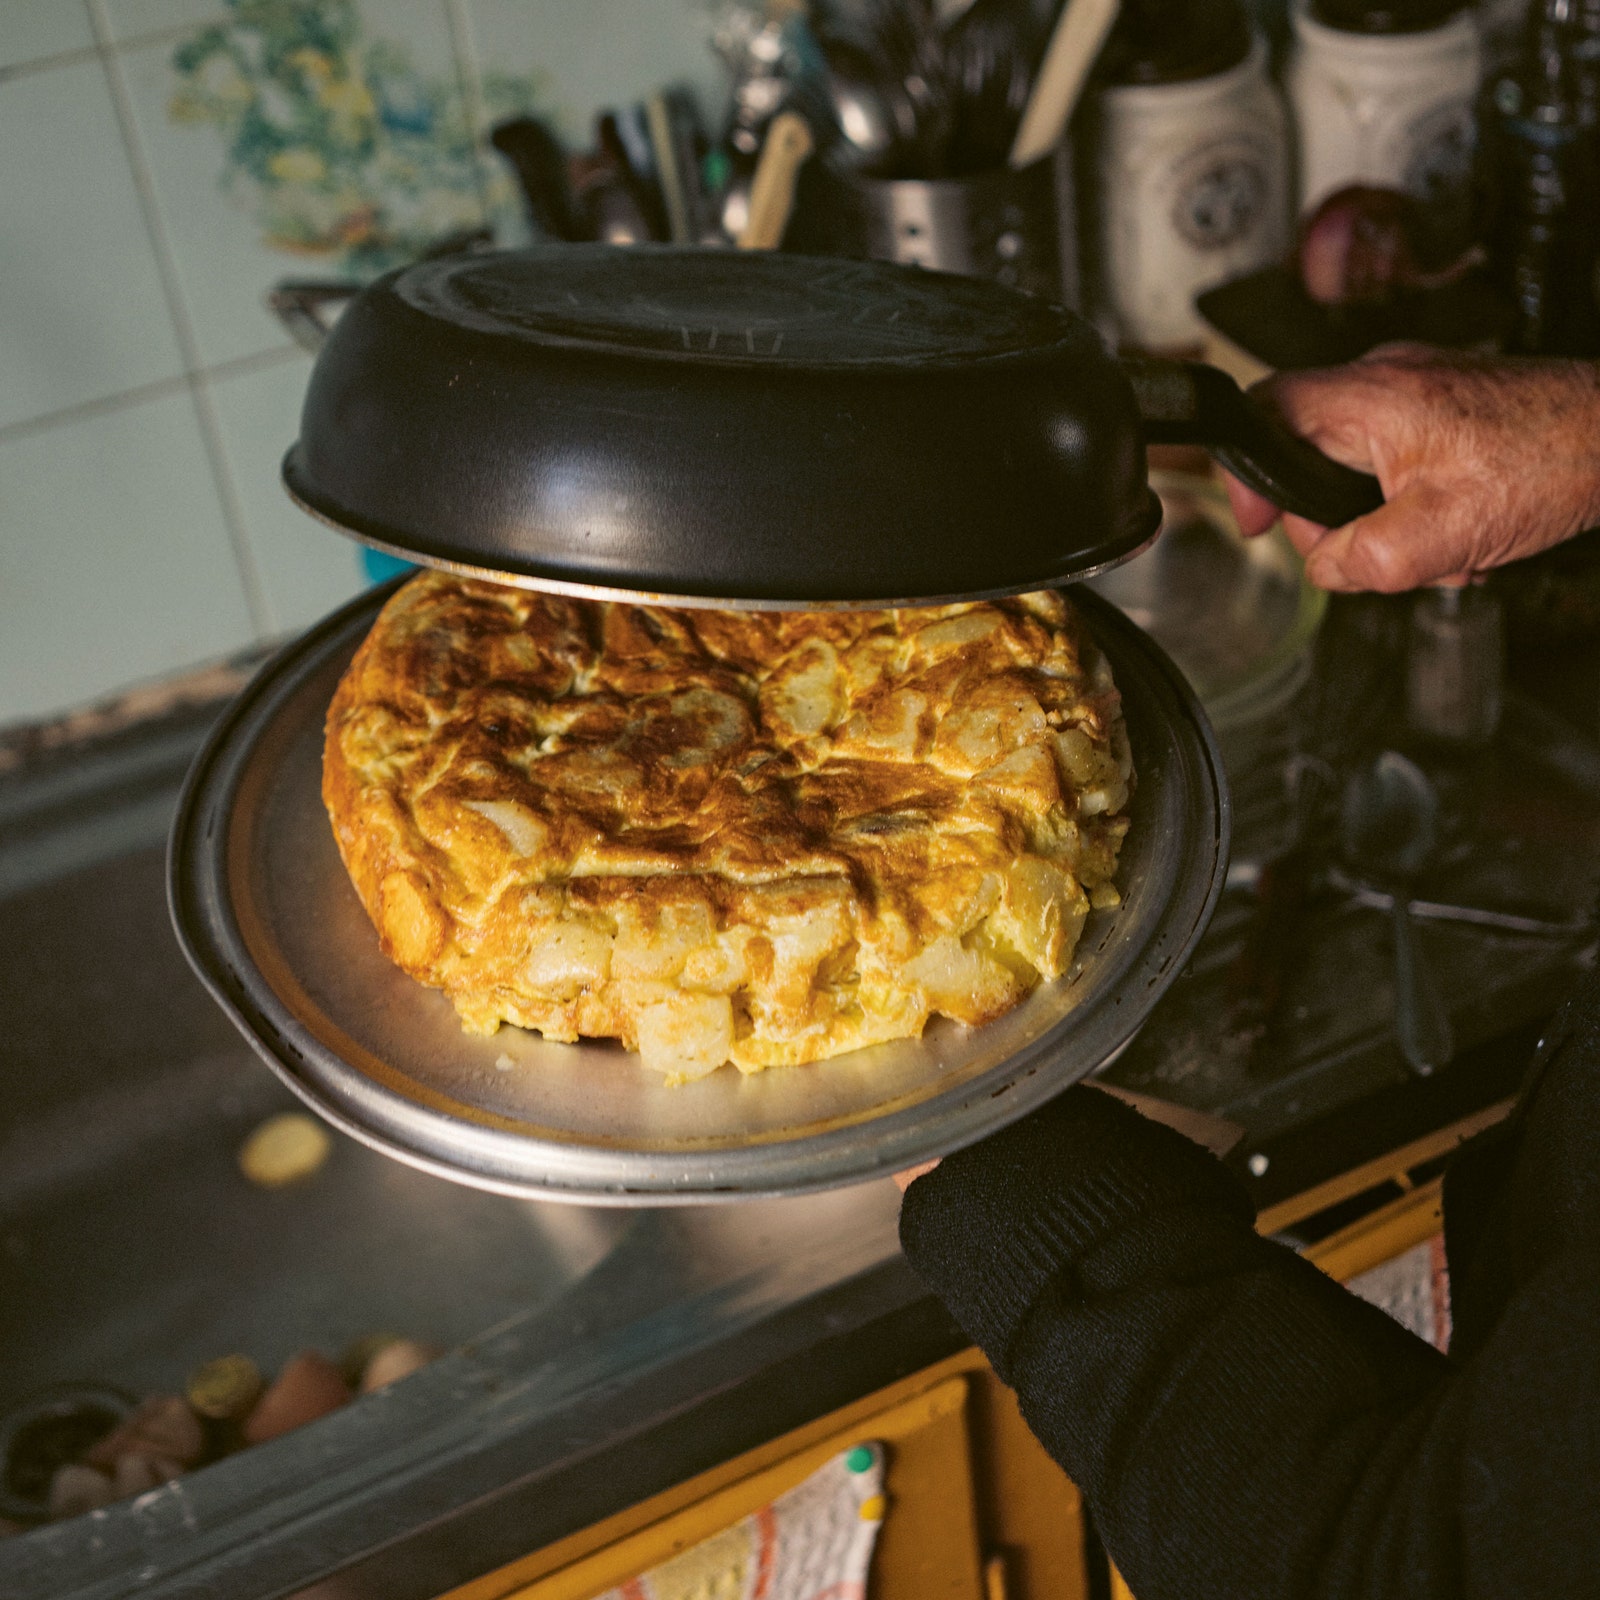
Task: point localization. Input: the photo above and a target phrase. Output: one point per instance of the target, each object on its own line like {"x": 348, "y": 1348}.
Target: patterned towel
{"x": 1414, "y": 1288}
{"x": 813, "y": 1543}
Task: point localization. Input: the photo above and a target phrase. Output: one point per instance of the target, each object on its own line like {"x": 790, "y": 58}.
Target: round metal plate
{"x": 269, "y": 920}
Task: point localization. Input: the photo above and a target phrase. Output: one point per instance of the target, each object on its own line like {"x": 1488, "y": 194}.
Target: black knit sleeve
{"x": 1241, "y": 1425}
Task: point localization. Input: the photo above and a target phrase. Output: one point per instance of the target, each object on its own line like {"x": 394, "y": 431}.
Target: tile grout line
{"x": 205, "y": 405}
{"x": 61, "y": 58}
{"x": 159, "y": 389}
{"x": 170, "y": 34}
{"x": 260, "y": 611}
{"x": 92, "y": 52}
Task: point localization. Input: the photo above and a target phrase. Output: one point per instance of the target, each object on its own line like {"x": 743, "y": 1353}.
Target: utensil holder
{"x": 1016, "y": 227}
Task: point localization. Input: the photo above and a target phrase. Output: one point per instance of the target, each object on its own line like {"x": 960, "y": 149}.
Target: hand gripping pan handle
{"x": 1186, "y": 402}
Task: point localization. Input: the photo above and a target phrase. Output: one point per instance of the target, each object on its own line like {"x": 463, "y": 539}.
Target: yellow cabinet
{"x": 976, "y": 1510}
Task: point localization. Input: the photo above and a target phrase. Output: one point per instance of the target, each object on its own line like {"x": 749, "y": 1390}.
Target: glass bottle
{"x": 1584, "y": 51}
{"x": 1547, "y": 236}
{"x": 1455, "y": 665}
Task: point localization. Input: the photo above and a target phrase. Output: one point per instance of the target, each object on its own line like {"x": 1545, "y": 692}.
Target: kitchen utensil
{"x": 540, "y": 164}
{"x": 942, "y": 93}
{"x": 1366, "y": 894}
{"x": 874, "y": 119}
{"x": 864, "y": 118}
{"x": 623, "y": 137}
{"x": 270, "y": 922}
{"x": 752, "y": 427}
{"x": 1080, "y": 33}
{"x": 1388, "y": 828}
{"x": 788, "y": 144}
{"x": 301, "y": 306}
{"x": 674, "y": 166}
{"x": 1269, "y": 315}
{"x": 901, "y": 47}
{"x": 1188, "y": 402}
{"x": 989, "y": 54}
{"x": 1001, "y": 225}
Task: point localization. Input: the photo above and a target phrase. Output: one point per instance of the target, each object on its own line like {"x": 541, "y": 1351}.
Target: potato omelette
{"x": 757, "y": 837}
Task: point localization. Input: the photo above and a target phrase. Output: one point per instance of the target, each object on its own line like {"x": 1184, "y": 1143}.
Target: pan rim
{"x": 308, "y": 498}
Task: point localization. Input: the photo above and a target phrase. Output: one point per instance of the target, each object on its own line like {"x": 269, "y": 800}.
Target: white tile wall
{"x": 590, "y": 51}
{"x": 115, "y": 563}
{"x": 82, "y": 314}
{"x": 146, "y": 397}
{"x": 222, "y": 266}
{"x": 32, "y": 30}
{"x": 129, "y": 20}
{"x": 306, "y": 568}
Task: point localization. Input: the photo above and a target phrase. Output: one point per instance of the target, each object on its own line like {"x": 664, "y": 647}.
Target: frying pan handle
{"x": 1187, "y": 402}
{"x": 299, "y": 306}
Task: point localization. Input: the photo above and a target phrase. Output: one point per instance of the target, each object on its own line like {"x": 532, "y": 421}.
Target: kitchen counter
{"x": 700, "y": 1334}
{"x": 596, "y": 1356}
{"x": 1324, "y": 1081}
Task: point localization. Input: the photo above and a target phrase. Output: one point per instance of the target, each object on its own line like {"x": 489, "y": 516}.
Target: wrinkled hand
{"x": 1483, "y": 460}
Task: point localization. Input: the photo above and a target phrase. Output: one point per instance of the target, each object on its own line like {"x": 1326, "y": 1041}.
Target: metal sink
{"x": 594, "y": 1357}
{"x": 132, "y": 1247}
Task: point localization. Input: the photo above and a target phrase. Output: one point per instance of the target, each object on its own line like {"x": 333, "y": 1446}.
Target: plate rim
{"x": 584, "y": 1172}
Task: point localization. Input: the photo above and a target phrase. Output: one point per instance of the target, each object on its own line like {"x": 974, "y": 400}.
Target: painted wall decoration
{"x": 340, "y": 146}
{"x": 164, "y": 164}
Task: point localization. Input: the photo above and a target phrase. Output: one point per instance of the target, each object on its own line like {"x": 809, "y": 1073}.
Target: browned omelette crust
{"x": 759, "y": 836}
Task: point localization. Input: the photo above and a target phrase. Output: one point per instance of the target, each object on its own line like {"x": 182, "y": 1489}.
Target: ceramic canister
{"x": 1192, "y": 190}
{"x": 1390, "y": 109}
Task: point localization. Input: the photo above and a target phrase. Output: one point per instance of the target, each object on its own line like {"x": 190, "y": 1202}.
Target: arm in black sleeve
{"x": 1241, "y": 1425}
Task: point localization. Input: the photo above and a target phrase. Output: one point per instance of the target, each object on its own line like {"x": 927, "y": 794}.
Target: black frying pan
{"x": 757, "y": 428}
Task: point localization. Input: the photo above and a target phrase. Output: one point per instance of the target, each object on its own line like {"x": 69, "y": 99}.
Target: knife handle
{"x": 787, "y": 145}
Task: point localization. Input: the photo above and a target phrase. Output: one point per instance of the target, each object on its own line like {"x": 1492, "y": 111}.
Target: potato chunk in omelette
{"x": 757, "y": 837}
